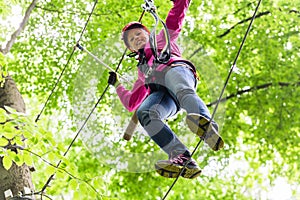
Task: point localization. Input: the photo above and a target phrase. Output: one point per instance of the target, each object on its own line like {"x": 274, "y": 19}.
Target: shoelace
{"x": 180, "y": 159}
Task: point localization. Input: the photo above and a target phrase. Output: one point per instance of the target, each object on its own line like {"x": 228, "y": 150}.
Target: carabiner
{"x": 149, "y": 5}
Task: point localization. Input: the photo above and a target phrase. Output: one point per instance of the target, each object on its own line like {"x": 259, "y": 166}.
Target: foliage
{"x": 22, "y": 141}
{"x": 12, "y": 138}
{"x": 258, "y": 117}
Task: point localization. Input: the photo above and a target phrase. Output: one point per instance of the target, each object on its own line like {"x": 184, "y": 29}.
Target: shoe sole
{"x": 169, "y": 170}
{"x": 198, "y": 125}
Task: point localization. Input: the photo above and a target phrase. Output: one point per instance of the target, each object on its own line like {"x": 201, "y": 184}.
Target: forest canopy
{"x": 66, "y": 95}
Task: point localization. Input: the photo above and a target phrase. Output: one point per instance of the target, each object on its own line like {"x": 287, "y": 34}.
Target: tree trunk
{"x": 16, "y": 180}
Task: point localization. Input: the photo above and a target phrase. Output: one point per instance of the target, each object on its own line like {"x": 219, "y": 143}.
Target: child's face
{"x": 137, "y": 38}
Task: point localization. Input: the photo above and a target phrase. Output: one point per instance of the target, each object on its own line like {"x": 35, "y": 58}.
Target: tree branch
{"x": 294, "y": 11}
{"x": 243, "y": 21}
{"x": 19, "y": 30}
{"x": 255, "y": 88}
{"x": 249, "y": 18}
{"x": 74, "y": 12}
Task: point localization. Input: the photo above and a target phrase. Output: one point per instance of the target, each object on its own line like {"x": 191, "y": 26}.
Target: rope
{"x": 64, "y": 69}
{"x": 165, "y": 55}
{"x": 220, "y": 97}
{"x": 88, "y": 117}
{"x": 58, "y": 164}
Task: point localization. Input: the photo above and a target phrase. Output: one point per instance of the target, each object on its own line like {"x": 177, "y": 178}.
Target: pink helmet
{"x": 132, "y": 25}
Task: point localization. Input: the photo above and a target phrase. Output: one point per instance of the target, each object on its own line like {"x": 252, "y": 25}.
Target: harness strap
{"x": 186, "y": 65}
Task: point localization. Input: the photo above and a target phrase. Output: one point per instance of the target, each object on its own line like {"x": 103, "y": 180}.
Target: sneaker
{"x": 172, "y": 167}
{"x": 199, "y": 124}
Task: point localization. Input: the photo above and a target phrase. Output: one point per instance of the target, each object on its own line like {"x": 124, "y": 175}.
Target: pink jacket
{"x": 132, "y": 99}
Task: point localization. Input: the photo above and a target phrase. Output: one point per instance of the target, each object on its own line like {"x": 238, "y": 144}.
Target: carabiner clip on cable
{"x": 165, "y": 55}
{"x": 148, "y": 6}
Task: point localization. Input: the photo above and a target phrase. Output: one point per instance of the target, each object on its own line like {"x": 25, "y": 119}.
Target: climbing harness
{"x": 219, "y": 99}
{"x": 160, "y": 58}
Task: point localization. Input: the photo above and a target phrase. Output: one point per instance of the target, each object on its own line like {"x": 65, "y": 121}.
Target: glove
{"x": 113, "y": 79}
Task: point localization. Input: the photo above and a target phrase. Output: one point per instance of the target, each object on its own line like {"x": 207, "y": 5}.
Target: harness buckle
{"x": 148, "y": 73}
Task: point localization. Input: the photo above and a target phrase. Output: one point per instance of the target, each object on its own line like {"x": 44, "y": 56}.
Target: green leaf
{"x": 18, "y": 140}
{"x": 77, "y": 195}
{"x": 18, "y": 159}
{"x": 28, "y": 159}
{"x": 2, "y": 115}
{"x": 50, "y": 170}
{"x": 73, "y": 184}
{"x": 26, "y": 134}
{"x": 62, "y": 147}
{"x": 7, "y": 162}
{"x": 34, "y": 140}
{"x": 3, "y": 142}
{"x": 52, "y": 157}
{"x": 83, "y": 187}
{"x": 2, "y": 118}
{"x": 60, "y": 174}
{"x": 8, "y": 132}
{"x": 98, "y": 182}
{"x": 2, "y": 111}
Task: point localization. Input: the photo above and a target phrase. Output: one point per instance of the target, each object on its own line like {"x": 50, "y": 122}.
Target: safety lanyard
{"x": 165, "y": 54}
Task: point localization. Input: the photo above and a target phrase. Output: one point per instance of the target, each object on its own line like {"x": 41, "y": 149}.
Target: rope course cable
{"x": 220, "y": 97}
{"x": 52, "y": 91}
{"x": 93, "y": 109}
{"x": 103, "y": 93}
{"x": 69, "y": 59}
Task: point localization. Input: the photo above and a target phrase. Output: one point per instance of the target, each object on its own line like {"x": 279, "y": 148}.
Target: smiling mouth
{"x": 139, "y": 43}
